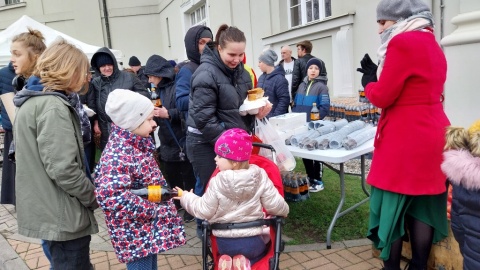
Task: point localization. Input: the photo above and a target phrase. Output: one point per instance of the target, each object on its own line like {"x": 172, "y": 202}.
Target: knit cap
{"x": 134, "y": 61}
{"x": 268, "y": 57}
{"x": 395, "y": 10}
{"x": 315, "y": 61}
{"x": 103, "y": 59}
{"x": 234, "y": 144}
{"x": 128, "y": 109}
{"x": 206, "y": 33}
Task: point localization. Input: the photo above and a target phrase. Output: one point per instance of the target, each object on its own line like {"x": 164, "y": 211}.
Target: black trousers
{"x": 7, "y": 195}
{"x": 313, "y": 168}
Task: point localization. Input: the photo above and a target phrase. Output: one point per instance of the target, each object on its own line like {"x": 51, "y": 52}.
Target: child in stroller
{"x": 237, "y": 194}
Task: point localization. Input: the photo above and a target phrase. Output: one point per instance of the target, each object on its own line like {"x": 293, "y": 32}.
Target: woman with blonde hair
{"x": 50, "y": 159}
{"x": 25, "y": 49}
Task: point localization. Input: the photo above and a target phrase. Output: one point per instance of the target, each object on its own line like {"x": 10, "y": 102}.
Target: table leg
{"x": 362, "y": 160}
{"x": 341, "y": 173}
{"x": 339, "y": 213}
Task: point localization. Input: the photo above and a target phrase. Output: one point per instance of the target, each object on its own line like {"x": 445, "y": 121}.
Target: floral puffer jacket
{"x": 137, "y": 227}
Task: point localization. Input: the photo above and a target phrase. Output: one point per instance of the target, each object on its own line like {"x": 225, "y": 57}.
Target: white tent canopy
{"x": 50, "y": 35}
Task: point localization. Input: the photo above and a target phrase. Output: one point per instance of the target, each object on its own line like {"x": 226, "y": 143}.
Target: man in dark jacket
{"x": 273, "y": 82}
{"x": 136, "y": 66}
{"x": 111, "y": 78}
{"x": 8, "y": 171}
{"x": 304, "y": 49}
{"x": 195, "y": 40}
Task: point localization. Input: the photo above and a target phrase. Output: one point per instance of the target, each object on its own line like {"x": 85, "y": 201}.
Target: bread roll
{"x": 255, "y": 94}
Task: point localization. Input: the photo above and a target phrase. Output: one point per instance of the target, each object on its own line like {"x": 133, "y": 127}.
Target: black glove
{"x": 369, "y": 70}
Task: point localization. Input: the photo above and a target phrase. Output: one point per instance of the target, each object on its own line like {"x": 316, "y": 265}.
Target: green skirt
{"x": 388, "y": 211}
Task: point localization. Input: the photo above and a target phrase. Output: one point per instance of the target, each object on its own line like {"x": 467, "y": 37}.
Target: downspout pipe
{"x": 107, "y": 23}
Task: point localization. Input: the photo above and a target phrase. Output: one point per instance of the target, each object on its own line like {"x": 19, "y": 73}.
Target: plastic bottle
{"x": 314, "y": 113}
{"x": 155, "y": 97}
{"x": 157, "y": 193}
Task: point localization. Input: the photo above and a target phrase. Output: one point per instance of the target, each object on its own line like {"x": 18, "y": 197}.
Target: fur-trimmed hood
{"x": 462, "y": 168}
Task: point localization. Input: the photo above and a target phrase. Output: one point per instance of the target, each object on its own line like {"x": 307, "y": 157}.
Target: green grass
{"x": 308, "y": 221}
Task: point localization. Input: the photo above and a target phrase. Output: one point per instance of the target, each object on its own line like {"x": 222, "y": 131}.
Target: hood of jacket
{"x": 160, "y": 67}
{"x": 33, "y": 89}
{"x": 278, "y": 71}
{"x": 104, "y": 50}
{"x": 191, "y": 42}
{"x": 462, "y": 168}
{"x": 213, "y": 57}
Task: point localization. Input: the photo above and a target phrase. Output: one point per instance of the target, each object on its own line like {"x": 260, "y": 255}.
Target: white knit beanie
{"x": 128, "y": 109}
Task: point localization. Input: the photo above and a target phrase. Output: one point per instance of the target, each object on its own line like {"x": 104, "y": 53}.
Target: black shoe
{"x": 187, "y": 217}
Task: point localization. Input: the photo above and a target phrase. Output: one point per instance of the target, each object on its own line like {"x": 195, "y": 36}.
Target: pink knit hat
{"x": 234, "y": 144}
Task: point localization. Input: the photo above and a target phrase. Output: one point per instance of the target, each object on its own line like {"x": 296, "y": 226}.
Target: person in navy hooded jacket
{"x": 461, "y": 164}
{"x": 273, "y": 82}
{"x": 313, "y": 89}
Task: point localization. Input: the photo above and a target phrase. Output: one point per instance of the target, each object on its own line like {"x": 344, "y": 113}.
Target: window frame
{"x": 302, "y": 4}
{"x": 199, "y": 16}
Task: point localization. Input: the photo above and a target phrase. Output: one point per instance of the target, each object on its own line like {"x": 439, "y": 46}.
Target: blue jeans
{"x": 47, "y": 253}
{"x": 251, "y": 247}
{"x": 71, "y": 254}
{"x": 145, "y": 263}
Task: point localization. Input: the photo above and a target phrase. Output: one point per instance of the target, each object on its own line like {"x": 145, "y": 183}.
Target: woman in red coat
{"x": 408, "y": 186}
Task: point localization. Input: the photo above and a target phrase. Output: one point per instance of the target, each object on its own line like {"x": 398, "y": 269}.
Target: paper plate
{"x": 254, "y": 104}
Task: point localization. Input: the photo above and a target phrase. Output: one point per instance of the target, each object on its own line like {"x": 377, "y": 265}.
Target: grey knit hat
{"x": 269, "y": 57}
{"x": 395, "y": 10}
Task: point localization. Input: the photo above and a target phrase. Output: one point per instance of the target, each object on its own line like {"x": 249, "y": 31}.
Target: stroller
{"x": 276, "y": 245}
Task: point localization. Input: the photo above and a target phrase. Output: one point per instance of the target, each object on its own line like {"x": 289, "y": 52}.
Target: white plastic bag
{"x": 265, "y": 131}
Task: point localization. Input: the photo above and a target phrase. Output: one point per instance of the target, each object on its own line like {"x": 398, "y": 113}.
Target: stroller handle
{"x": 264, "y": 145}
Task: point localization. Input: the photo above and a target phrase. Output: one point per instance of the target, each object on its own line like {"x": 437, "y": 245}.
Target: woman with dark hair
{"x": 219, "y": 87}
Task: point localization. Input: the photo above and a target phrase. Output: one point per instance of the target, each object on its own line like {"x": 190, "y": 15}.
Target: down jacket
{"x": 55, "y": 199}
{"x": 101, "y": 86}
{"x": 300, "y": 71}
{"x": 463, "y": 171}
{"x": 216, "y": 95}
{"x": 318, "y": 94}
{"x": 235, "y": 196}
{"x": 137, "y": 227}
{"x": 276, "y": 89}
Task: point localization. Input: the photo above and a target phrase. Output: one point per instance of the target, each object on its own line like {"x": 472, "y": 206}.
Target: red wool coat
{"x": 411, "y": 131}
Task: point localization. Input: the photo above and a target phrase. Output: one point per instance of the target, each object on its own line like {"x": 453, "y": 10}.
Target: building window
{"x": 306, "y": 11}
{"x": 11, "y": 2}
{"x": 198, "y": 16}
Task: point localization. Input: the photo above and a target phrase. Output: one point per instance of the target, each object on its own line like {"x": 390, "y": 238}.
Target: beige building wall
{"x": 146, "y": 27}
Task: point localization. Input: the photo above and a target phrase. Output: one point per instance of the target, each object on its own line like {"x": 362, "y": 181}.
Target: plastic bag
{"x": 265, "y": 131}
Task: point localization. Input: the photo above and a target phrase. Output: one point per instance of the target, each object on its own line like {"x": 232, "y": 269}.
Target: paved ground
{"x": 21, "y": 253}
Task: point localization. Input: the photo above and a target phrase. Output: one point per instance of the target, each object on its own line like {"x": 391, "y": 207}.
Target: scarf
{"x": 422, "y": 21}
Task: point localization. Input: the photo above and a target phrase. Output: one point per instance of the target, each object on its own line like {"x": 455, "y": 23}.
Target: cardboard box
{"x": 288, "y": 121}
